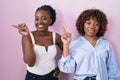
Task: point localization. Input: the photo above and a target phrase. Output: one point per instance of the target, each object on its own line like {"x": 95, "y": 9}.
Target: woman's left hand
{"x": 57, "y": 71}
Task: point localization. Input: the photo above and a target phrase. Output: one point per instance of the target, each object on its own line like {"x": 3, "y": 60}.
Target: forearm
{"x": 29, "y": 55}
{"x": 65, "y": 50}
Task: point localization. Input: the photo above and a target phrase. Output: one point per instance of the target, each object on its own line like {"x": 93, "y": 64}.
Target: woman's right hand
{"x": 66, "y": 37}
{"x": 22, "y": 29}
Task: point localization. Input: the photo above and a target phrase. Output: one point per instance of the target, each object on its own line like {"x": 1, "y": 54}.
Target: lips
{"x": 40, "y": 27}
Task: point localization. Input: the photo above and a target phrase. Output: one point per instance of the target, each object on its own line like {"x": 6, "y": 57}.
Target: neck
{"x": 42, "y": 33}
{"x": 91, "y": 37}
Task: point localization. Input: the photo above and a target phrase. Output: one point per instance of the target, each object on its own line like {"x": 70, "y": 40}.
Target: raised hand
{"x": 22, "y": 29}
{"x": 66, "y": 37}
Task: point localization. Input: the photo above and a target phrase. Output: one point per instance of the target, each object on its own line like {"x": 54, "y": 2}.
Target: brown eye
{"x": 36, "y": 19}
{"x": 97, "y": 24}
{"x": 88, "y": 22}
{"x": 44, "y": 18}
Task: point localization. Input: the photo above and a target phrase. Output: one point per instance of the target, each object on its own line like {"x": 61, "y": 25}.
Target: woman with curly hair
{"x": 90, "y": 57}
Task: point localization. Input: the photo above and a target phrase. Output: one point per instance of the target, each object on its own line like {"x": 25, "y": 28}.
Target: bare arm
{"x": 59, "y": 41}
{"x": 63, "y": 44}
{"x": 28, "y": 52}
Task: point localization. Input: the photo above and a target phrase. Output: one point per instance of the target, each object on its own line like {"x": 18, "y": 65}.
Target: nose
{"x": 92, "y": 25}
{"x": 39, "y": 21}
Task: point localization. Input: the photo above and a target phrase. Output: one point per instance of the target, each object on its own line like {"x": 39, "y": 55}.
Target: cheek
{"x": 35, "y": 22}
{"x": 97, "y": 29}
{"x": 85, "y": 27}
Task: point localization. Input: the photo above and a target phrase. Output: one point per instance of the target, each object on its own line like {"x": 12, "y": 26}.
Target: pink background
{"x": 12, "y": 66}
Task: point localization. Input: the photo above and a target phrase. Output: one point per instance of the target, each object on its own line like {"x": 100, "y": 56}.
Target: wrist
{"x": 66, "y": 45}
{"x": 28, "y": 35}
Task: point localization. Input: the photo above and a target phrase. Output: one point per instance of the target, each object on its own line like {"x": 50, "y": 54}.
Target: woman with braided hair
{"x": 39, "y": 46}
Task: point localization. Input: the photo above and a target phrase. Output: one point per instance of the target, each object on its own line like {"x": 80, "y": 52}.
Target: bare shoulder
{"x": 33, "y": 32}
{"x": 59, "y": 41}
{"x": 58, "y": 36}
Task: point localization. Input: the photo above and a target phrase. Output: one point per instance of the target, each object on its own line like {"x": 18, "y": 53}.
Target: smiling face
{"x": 91, "y": 27}
{"x": 42, "y": 20}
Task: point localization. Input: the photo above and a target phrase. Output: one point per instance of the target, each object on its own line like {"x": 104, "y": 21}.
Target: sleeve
{"x": 112, "y": 67}
{"x": 67, "y": 64}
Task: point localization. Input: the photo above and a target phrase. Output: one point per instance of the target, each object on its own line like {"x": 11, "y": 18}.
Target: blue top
{"x": 85, "y": 60}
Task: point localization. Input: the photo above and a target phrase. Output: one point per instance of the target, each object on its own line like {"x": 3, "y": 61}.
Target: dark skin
{"x": 42, "y": 37}
{"x": 46, "y": 39}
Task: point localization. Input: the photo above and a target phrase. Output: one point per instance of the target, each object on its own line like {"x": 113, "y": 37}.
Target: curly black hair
{"x": 94, "y": 13}
{"x": 50, "y": 10}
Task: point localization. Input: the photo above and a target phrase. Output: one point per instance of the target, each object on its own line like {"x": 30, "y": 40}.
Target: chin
{"x": 40, "y": 30}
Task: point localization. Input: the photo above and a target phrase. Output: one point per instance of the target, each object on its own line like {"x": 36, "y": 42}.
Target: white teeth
{"x": 91, "y": 30}
{"x": 40, "y": 26}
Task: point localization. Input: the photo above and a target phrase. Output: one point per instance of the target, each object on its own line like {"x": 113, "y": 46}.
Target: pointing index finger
{"x": 64, "y": 30}
{"x": 15, "y": 26}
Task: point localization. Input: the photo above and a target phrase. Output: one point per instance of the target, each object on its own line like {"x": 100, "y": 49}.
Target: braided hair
{"x": 50, "y": 10}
